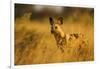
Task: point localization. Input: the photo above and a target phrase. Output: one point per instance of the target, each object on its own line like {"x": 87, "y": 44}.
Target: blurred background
{"x": 40, "y": 12}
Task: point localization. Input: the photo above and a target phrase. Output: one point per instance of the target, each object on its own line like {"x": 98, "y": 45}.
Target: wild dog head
{"x": 56, "y": 26}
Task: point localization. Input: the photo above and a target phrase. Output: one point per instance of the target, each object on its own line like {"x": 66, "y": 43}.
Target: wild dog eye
{"x": 56, "y": 27}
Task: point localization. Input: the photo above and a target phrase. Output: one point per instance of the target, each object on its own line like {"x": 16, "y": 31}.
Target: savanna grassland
{"x": 34, "y": 43}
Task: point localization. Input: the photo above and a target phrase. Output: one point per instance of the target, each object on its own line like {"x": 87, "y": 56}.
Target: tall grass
{"x": 34, "y": 44}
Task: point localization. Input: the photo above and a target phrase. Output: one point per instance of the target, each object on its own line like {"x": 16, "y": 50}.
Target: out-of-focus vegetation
{"x": 34, "y": 43}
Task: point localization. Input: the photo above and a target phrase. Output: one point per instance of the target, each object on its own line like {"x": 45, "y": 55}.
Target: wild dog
{"x": 63, "y": 39}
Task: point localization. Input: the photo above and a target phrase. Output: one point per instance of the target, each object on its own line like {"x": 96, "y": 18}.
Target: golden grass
{"x": 34, "y": 43}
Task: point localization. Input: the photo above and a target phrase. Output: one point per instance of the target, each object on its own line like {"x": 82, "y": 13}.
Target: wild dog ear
{"x": 60, "y": 20}
{"x": 51, "y": 20}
